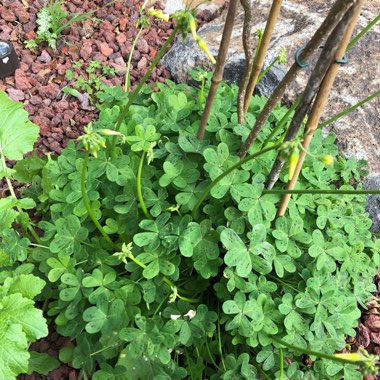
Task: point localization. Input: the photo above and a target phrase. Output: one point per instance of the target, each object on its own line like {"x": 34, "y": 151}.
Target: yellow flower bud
{"x": 108, "y": 132}
{"x": 193, "y": 27}
{"x": 202, "y": 44}
{"x": 293, "y": 160}
{"x": 158, "y": 13}
{"x": 328, "y": 159}
{"x": 354, "y": 356}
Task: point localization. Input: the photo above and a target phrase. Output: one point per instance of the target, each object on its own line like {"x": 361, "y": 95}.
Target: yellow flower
{"x": 202, "y": 44}
{"x": 193, "y": 27}
{"x": 354, "y": 356}
{"x": 328, "y": 159}
{"x": 158, "y": 13}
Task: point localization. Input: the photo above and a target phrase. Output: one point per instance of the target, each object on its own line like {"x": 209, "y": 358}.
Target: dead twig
{"x": 248, "y": 52}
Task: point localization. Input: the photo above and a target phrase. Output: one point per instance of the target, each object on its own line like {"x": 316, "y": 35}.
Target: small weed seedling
{"x": 52, "y": 20}
{"x": 92, "y": 83}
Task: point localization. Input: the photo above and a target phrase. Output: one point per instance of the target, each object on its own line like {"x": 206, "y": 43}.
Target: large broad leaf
{"x": 20, "y": 323}
{"x": 15, "y": 309}
{"x": 13, "y": 352}
{"x": 17, "y": 133}
{"x": 42, "y": 363}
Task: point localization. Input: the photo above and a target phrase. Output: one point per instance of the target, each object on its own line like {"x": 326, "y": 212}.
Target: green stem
{"x": 282, "y": 122}
{"x": 140, "y": 85}
{"x": 228, "y": 171}
{"x": 283, "y": 283}
{"x": 87, "y": 204}
{"x": 166, "y": 280}
{"x": 127, "y": 73}
{"x": 281, "y": 364}
{"x": 315, "y": 353}
{"x": 261, "y": 34}
{"x": 13, "y": 194}
{"x": 211, "y": 355}
{"x": 102, "y": 350}
{"x": 261, "y": 76}
{"x": 362, "y": 33}
{"x": 220, "y": 343}
{"x": 348, "y": 110}
{"x": 318, "y": 191}
{"x": 139, "y": 192}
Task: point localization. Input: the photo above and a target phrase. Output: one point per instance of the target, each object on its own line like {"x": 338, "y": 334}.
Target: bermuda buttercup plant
{"x": 161, "y": 248}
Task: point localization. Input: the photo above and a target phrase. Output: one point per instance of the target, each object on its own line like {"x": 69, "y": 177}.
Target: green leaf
{"x": 69, "y": 235}
{"x": 14, "y": 355}
{"x": 238, "y": 254}
{"x": 42, "y": 363}
{"x": 59, "y": 266}
{"x": 17, "y": 133}
{"x": 28, "y": 168}
{"x": 27, "y": 285}
{"x": 20, "y": 310}
{"x": 14, "y": 246}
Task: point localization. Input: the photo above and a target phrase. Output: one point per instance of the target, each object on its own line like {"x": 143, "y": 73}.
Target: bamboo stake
{"x": 324, "y": 62}
{"x": 259, "y": 60}
{"x": 219, "y": 68}
{"x": 335, "y": 15}
{"x": 320, "y": 103}
{"x": 248, "y": 52}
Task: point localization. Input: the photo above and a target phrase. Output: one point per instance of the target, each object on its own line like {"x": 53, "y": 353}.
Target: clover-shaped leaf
{"x": 144, "y": 136}
{"x": 103, "y": 314}
{"x": 14, "y": 246}
{"x": 179, "y": 172}
{"x": 59, "y": 266}
{"x": 294, "y": 321}
{"x": 326, "y": 253}
{"x": 156, "y": 229}
{"x": 261, "y": 208}
{"x": 217, "y": 161}
{"x": 259, "y": 256}
{"x": 69, "y": 235}
{"x": 156, "y": 262}
{"x": 237, "y": 252}
{"x": 282, "y": 264}
{"x": 244, "y": 311}
{"x": 289, "y": 234}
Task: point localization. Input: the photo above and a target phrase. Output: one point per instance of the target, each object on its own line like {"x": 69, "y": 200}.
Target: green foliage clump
{"x": 165, "y": 289}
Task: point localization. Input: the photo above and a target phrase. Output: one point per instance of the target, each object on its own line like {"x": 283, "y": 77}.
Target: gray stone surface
{"x": 373, "y": 207}
{"x": 358, "y": 134}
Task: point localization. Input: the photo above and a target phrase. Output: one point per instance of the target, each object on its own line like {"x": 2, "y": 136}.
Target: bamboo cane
{"x": 259, "y": 61}
{"x": 219, "y": 68}
{"x": 320, "y": 102}
{"x": 335, "y": 15}
{"x": 325, "y": 59}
